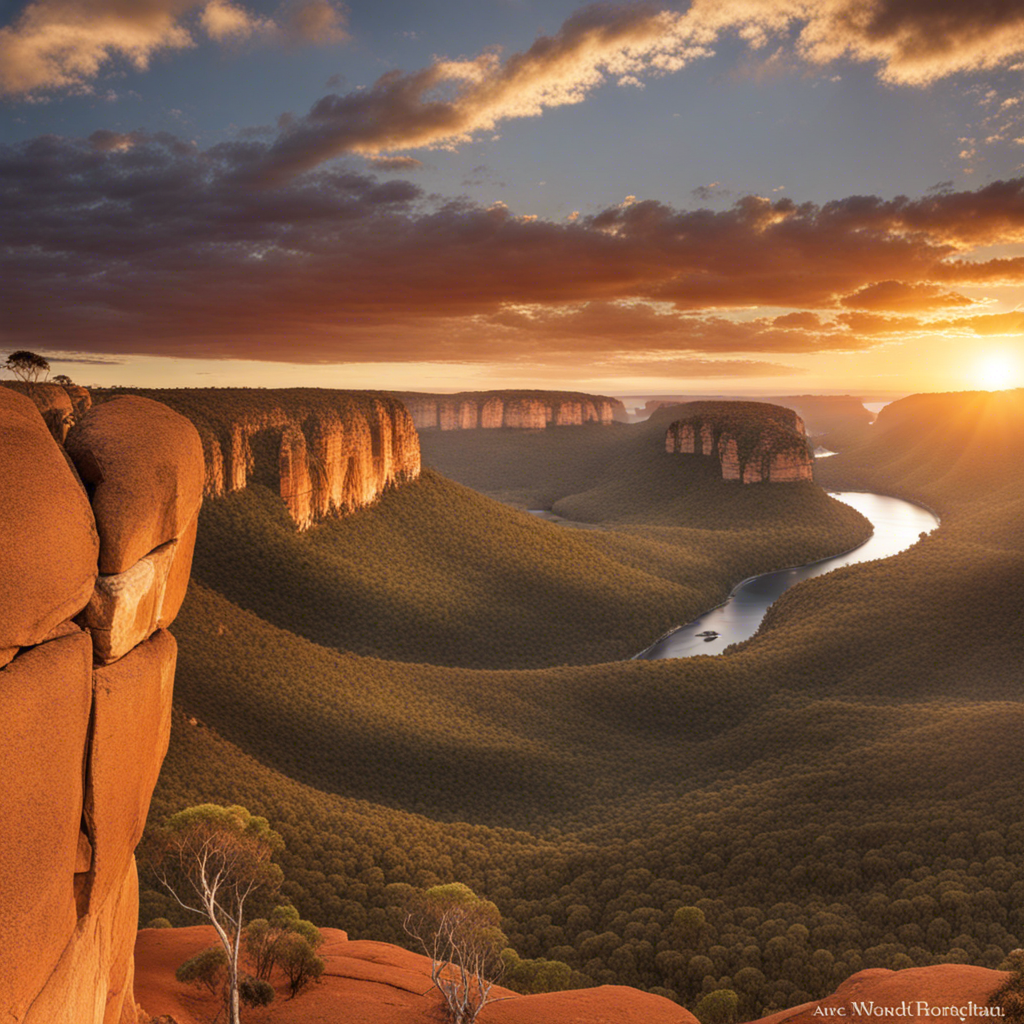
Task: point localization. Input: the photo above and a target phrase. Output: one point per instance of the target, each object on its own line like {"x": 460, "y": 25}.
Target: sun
{"x": 995, "y": 371}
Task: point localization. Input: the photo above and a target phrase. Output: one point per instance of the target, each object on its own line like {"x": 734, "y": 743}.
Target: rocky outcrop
{"x": 84, "y": 742}
{"x": 325, "y": 452}
{"x": 376, "y": 983}
{"x": 752, "y": 442}
{"x": 60, "y": 405}
{"x": 525, "y": 410}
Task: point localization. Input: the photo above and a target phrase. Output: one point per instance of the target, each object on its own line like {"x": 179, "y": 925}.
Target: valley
{"x": 433, "y": 689}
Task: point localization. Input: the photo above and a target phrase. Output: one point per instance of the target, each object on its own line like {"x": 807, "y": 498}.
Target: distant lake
{"x": 897, "y": 523}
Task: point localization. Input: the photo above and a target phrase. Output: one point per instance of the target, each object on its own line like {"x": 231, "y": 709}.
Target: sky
{"x": 719, "y": 196}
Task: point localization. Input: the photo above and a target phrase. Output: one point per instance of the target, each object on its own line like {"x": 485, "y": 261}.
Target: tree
{"x": 298, "y": 959}
{"x": 62, "y": 378}
{"x": 212, "y": 860}
{"x": 27, "y": 366}
{"x": 208, "y": 968}
{"x": 288, "y": 942}
{"x": 461, "y": 933}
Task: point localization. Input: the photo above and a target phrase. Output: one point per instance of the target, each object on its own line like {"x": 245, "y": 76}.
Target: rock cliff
{"x": 472, "y": 410}
{"x": 90, "y": 576}
{"x": 753, "y": 442}
{"x": 325, "y": 452}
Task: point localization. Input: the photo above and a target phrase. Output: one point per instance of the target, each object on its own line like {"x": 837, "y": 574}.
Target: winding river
{"x": 897, "y": 524}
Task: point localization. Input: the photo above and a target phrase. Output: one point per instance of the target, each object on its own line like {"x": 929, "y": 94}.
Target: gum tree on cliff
{"x": 27, "y": 366}
{"x": 212, "y": 860}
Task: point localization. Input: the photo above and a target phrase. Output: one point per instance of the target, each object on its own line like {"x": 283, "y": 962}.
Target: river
{"x": 897, "y": 524}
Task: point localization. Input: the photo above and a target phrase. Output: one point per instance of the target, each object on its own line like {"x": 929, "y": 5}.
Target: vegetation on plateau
{"x": 739, "y": 832}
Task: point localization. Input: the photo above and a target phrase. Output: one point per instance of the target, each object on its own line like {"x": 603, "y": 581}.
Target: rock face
{"x": 84, "y": 742}
{"x": 48, "y": 545}
{"x": 526, "y": 410}
{"x": 325, "y": 452}
{"x": 753, "y": 442}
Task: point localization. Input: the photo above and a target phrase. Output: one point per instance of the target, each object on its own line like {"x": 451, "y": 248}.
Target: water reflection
{"x": 897, "y": 523}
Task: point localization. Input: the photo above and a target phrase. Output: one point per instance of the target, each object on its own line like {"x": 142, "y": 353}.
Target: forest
{"x": 438, "y": 689}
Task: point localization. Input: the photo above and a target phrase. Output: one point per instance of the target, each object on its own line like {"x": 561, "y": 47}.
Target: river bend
{"x": 897, "y": 524}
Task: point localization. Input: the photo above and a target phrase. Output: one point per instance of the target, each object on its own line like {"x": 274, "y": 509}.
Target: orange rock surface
{"x": 145, "y": 464}
{"x": 754, "y": 442}
{"x": 375, "y": 983}
{"x": 325, "y": 452}
{"x": 48, "y": 541}
{"x": 909, "y": 991}
{"x": 54, "y": 403}
{"x": 131, "y": 727}
{"x": 530, "y": 410}
{"x": 45, "y": 698}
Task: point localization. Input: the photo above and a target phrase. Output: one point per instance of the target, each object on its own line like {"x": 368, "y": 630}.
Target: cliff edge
{"x": 753, "y": 442}
{"x": 325, "y": 452}
{"x": 96, "y": 544}
{"x": 530, "y": 410}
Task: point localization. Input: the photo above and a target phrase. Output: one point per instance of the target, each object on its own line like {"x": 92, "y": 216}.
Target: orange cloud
{"x": 898, "y": 297}
{"x": 136, "y": 242}
{"x": 65, "y": 44}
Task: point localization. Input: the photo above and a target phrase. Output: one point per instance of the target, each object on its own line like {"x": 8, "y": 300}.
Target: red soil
{"x": 373, "y": 983}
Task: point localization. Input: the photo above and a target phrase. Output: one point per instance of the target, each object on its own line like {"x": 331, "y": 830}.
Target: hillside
{"x": 841, "y": 792}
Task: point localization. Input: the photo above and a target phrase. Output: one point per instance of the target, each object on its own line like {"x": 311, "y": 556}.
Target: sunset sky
{"x": 724, "y": 196}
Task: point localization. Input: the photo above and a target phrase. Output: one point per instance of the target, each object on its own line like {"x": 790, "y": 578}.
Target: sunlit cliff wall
{"x": 96, "y": 546}
{"x": 325, "y": 452}
{"x": 471, "y": 410}
{"x": 753, "y": 442}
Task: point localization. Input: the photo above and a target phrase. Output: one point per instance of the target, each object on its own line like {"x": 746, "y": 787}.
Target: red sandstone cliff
{"x": 753, "y": 442}
{"x": 89, "y": 579}
{"x": 325, "y": 452}
{"x": 470, "y": 410}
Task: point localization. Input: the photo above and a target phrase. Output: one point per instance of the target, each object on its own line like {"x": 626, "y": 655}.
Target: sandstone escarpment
{"x": 85, "y": 690}
{"x": 753, "y": 442}
{"x": 325, "y": 452}
{"x": 531, "y": 410}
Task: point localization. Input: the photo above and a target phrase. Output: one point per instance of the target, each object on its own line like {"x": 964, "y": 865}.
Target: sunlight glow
{"x": 995, "y": 371}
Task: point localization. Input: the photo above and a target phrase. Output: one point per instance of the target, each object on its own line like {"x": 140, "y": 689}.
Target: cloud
{"x": 138, "y": 242}
{"x": 899, "y": 297}
{"x": 913, "y": 42}
{"x": 316, "y": 21}
{"x": 224, "y": 21}
{"x": 65, "y": 44}
{"x": 395, "y": 163}
{"x": 709, "y": 193}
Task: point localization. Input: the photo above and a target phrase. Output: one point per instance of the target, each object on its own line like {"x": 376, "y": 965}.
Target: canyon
{"x": 529, "y": 410}
{"x": 752, "y": 442}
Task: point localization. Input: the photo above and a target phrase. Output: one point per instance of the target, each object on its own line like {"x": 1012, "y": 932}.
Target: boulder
{"x": 92, "y": 980}
{"x": 128, "y": 607}
{"x": 145, "y": 465}
{"x": 52, "y": 401}
{"x": 45, "y": 697}
{"x": 81, "y": 400}
{"x": 48, "y": 540}
{"x": 130, "y": 730}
